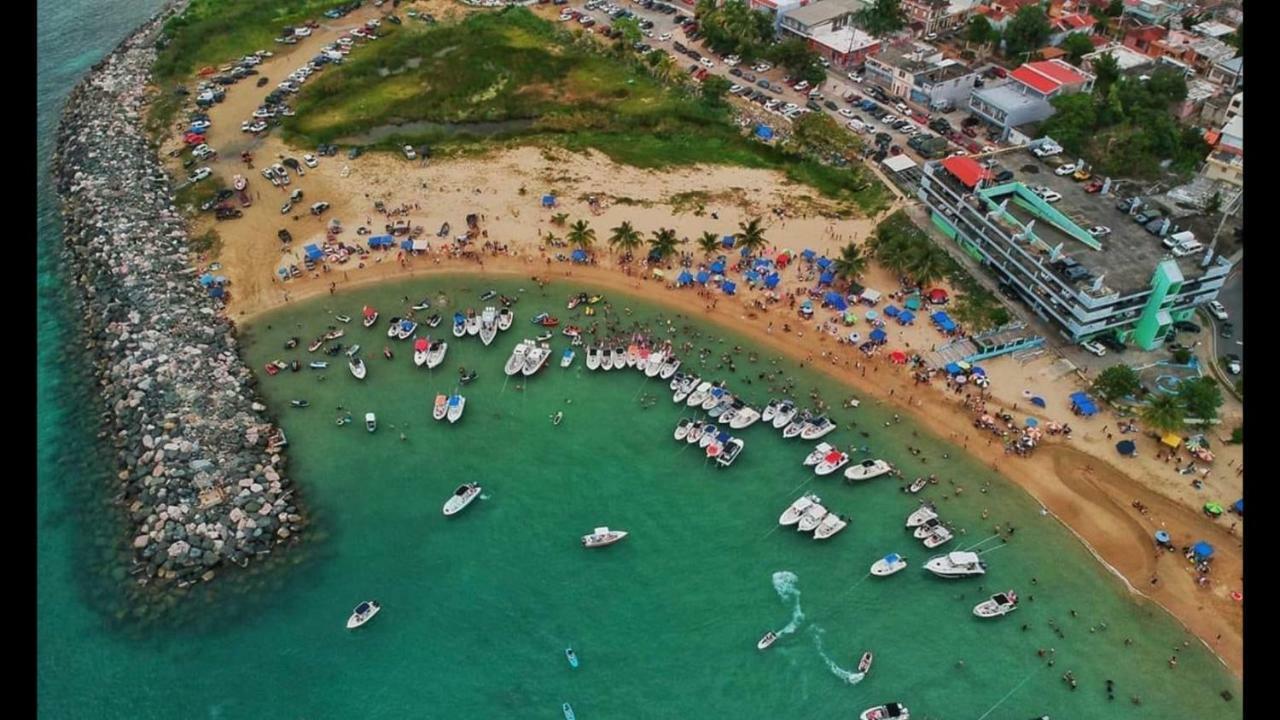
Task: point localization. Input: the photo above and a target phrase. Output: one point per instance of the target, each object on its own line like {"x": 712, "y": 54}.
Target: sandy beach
{"x": 1080, "y": 480}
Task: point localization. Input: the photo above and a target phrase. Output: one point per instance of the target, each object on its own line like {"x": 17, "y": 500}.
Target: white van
{"x": 1178, "y": 238}
{"x": 1189, "y": 248}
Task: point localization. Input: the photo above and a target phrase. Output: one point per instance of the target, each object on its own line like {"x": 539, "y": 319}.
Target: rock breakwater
{"x": 199, "y": 465}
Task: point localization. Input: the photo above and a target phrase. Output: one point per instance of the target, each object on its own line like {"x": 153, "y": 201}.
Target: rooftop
{"x": 824, "y": 11}
{"x": 1126, "y": 58}
{"x": 1006, "y": 97}
{"x": 1212, "y": 28}
{"x": 845, "y": 40}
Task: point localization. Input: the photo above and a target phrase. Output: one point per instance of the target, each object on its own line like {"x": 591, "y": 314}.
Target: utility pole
{"x": 1231, "y": 207}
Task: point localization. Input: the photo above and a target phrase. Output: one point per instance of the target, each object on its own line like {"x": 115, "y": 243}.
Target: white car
{"x": 1099, "y": 231}
{"x": 735, "y": 89}
{"x": 664, "y": 37}
{"x": 909, "y": 130}
{"x": 310, "y": 160}
{"x": 854, "y": 77}
{"x": 1217, "y": 310}
{"x": 1045, "y": 151}
{"x": 889, "y": 119}
{"x": 790, "y": 106}
{"x": 846, "y": 112}
{"x": 706, "y": 63}
{"x": 302, "y": 31}
{"x": 1051, "y": 197}
{"x": 1067, "y": 169}
{"x": 763, "y": 67}
{"x": 1094, "y": 347}
{"x": 200, "y": 174}
{"x": 801, "y": 86}
{"x": 409, "y": 152}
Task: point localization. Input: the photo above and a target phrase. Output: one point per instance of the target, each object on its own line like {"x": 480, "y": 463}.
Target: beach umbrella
{"x": 1202, "y": 550}
{"x": 744, "y": 252}
{"x": 703, "y": 276}
{"x": 1239, "y": 506}
{"x": 764, "y": 132}
{"x": 579, "y": 255}
{"x": 1032, "y": 422}
{"x": 216, "y": 292}
{"x": 953, "y": 369}
{"x": 1213, "y": 508}
{"x": 1038, "y": 401}
{"x": 728, "y": 287}
{"x": 898, "y": 356}
{"x": 906, "y": 317}
{"x": 772, "y": 281}
{"x": 808, "y": 254}
{"x": 850, "y": 318}
{"x": 826, "y": 278}
{"x": 406, "y": 244}
{"x": 1127, "y": 448}
{"x": 878, "y": 335}
{"x": 717, "y": 267}
{"x": 872, "y": 315}
{"x": 783, "y": 259}
{"x": 854, "y": 337}
{"x": 685, "y": 278}
{"x": 763, "y": 262}
{"x": 962, "y": 379}
{"x": 979, "y": 371}
{"x": 727, "y": 241}
{"x": 1161, "y": 535}
{"x": 913, "y": 302}
{"x": 891, "y": 311}
{"x": 548, "y": 201}
{"x": 937, "y": 296}
{"x": 206, "y": 279}
{"x": 752, "y": 276}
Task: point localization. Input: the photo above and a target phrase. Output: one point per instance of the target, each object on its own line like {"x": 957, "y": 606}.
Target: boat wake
{"x": 849, "y": 676}
{"x": 484, "y": 496}
{"x": 784, "y": 582}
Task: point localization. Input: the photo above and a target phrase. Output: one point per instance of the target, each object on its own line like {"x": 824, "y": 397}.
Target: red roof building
{"x": 1142, "y": 38}
{"x": 1051, "y": 77}
{"x": 965, "y": 169}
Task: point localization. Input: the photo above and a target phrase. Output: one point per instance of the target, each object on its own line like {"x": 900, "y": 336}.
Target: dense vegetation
{"x": 734, "y": 28}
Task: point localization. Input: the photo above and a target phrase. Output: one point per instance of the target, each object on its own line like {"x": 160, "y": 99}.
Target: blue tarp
{"x": 879, "y": 335}
{"x": 314, "y": 252}
{"x": 1239, "y": 506}
{"x": 764, "y": 132}
{"x": 943, "y": 321}
{"x": 953, "y": 369}
{"x": 1203, "y": 550}
{"x": 763, "y": 262}
{"x": 1032, "y": 422}
{"x": 548, "y": 201}
{"x": 891, "y": 311}
{"x": 752, "y": 276}
{"x": 406, "y": 244}
{"x": 824, "y": 262}
{"x": 1082, "y": 402}
{"x": 1127, "y": 447}
{"x": 727, "y": 241}
{"x": 685, "y": 278}
{"x": 978, "y": 371}
{"x": 216, "y": 292}
{"x": 381, "y": 241}
{"x": 206, "y": 279}
{"x": 772, "y": 281}
{"x": 704, "y": 276}
{"x": 906, "y": 316}
{"x": 835, "y": 300}
{"x": 826, "y": 278}
{"x": 808, "y": 254}
{"x": 717, "y": 267}
{"x": 579, "y": 255}
{"x": 728, "y": 287}
{"x": 1038, "y": 401}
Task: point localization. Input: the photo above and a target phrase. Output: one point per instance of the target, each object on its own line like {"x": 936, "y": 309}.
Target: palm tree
{"x": 581, "y": 234}
{"x": 663, "y": 243}
{"x": 892, "y": 253}
{"x": 709, "y": 242}
{"x": 663, "y": 65}
{"x": 625, "y": 237}
{"x": 1164, "y": 412}
{"x": 751, "y": 235}
{"x": 927, "y": 264}
{"x": 851, "y": 262}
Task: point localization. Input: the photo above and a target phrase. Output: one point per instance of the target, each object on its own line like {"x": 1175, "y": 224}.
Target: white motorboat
{"x": 461, "y": 498}
{"x": 536, "y": 357}
{"x": 357, "y": 368}
{"x": 421, "y": 349}
{"x": 472, "y": 323}
{"x": 669, "y": 368}
{"x": 363, "y": 613}
{"x": 318, "y": 365}
{"x": 488, "y": 325}
{"x": 505, "y": 318}
{"x": 406, "y": 329}
{"x": 699, "y": 394}
{"x": 459, "y": 325}
{"x": 515, "y": 363}
{"x": 457, "y": 404}
{"x": 632, "y": 356}
{"x": 818, "y": 427}
{"x": 593, "y": 358}
{"x": 682, "y": 428}
{"x": 792, "y": 514}
{"x": 888, "y": 565}
{"x": 770, "y": 410}
{"x": 868, "y": 469}
{"x": 709, "y": 433}
{"x": 695, "y": 433}
{"x": 819, "y": 452}
{"x": 830, "y": 525}
{"x": 956, "y": 565}
{"x": 566, "y": 358}
{"x": 714, "y": 398}
{"x": 732, "y": 449}
{"x": 999, "y": 604}
{"x": 370, "y": 422}
{"x": 941, "y": 535}
{"x": 796, "y": 426}
{"x": 606, "y": 359}
{"x": 435, "y": 355}
{"x": 441, "y": 407}
{"x": 767, "y": 640}
{"x": 785, "y": 413}
{"x": 727, "y": 414}
{"x": 677, "y": 381}
{"x": 684, "y": 389}
{"x": 602, "y": 536}
{"x": 653, "y": 365}
{"x": 888, "y": 711}
{"x": 619, "y": 356}
{"x": 370, "y": 316}
{"x": 916, "y": 485}
{"x": 926, "y": 529}
{"x": 811, "y": 517}
{"x": 831, "y": 462}
{"x": 746, "y": 417}
{"x": 864, "y": 662}
{"x": 922, "y": 514}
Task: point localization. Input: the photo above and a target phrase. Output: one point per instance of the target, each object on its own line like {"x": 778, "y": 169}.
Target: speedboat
{"x": 488, "y": 325}
{"x": 888, "y": 565}
{"x": 291, "y": 343}
{"x": 535, "y": 358}
{"x": 685, "y": 389}
{"x": 632, "y": 356}
{"x": 770, "y": 410}
{"x": 817, "y": 427}
{"x": 357, "y": 368}
{"x": 370, "y": 422}
{"x": 812, "y": 517}
{"x": 714, "y": 398}
{"x": 505, "y": 318}
{"x": 619, "y": 358}
{"x": 472, "y": 322}
{"x": 456, "y": 405}
{"x": 922, "y": 514}
{"x": 677, "y": 381}
{"x": 682, "y": 428}
{"x": 421, "y": 348}
{"x": 300, "y": 403}
{"x": 695, "y": 432}
{"x": 833, "y": 461}
{"x": 792, "y": 514}
{"x": 363, "y": 613}
{"x": 956, "y": 565}
{"x": 606, "y": 359}
{"x": 566, "y": 359}
{"x": 864, "y": 663}
{"x": 927, "y": 529}
{"x": 315, "y": 344}
{"x": 732, "y": 449}
{"x": 459, "y": 325}
{"x": 318, "y": 365}
{"x": 394, "y": 328}
{"x": 571, "y": 656}
{"x": 888, "y": 711}
{"x": 423, "y": 304}
{"x": 867, "y": 469}
{"x": 830, "y": 525}
{"x": 709, "y": 434}
{"x": 653, "y": 365}
{"x": 603, "y": 536}
{"x": 537, "y": 319}
{"x": 669, "y": 368}
{"x": 406, "y": 329}
{"x": 593, "y": 358}
{"x": 795, "y": 427}
{"x": 573, "y": 332}
{"x": 724, "y": 407}
{"x": 746, "y": 417}
{"x": 575, "y": 300}
{"x": 767, "y": 640}
{"x": 515, "y": 363}
{"x": 568, "y": 711}
{"x": 941, "y": 535}
{"x": 441, "y": 407}
{"x": 370, "y": 316}
{"x": 488, "y": 295}
{"x": 433, "y": 321}
{"x": 916, "y": 485}
{"x": 435, "y": 355}
{"x": 334, "y": 334}
{"x": 716, "y": 446}
{"x": 818, "y": 454}
{"x": 999, "y": 604}
{"x": 543, "y": 337}
{"x": 461, "y": 498}
{"x": 785, "y": 413}
{"x": 466, "y": 377}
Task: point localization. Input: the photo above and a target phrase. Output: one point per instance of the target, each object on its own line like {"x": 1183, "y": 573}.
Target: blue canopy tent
{"x": 216, "y": 292}
{"x": 808, "y": 254}
{"x": 548, "y": 201}
{"x": 764, "y": 132}
{"x": 1032, "y": 422}
{"x": 406, "y": 244}
{"x": 752, "y": 276}
{"x": 381, "y": 241}
{"x": 206, "y": 279}
{"x": 826, "y": 278}
{"x": 315, "y": 253}
{"x": 835, "y": 300}
{"x": 953, "y": 369}
{"x": 906, "y": 317}
{"x": 728, "y": 287}
{"x": 978, "y": 371}
{"x": 1083, "y": 404}
{"x": 1202, "y": 550}
{"x": 579, "y": 255}
{"x": 685, "y": 278}
{"x": 728, "y": 241}
{"x": 703, "y": 276}
{"x": 717, "y": 267}
{"x": 872, "y": 315}
{"x": 1162, "y": 536}
{"x": 878, "y": 335}
{"x": 1038, "y": 401}
{"x": 913, "y": 302}
{"x": 772, "y": 281}
{"x": 1127, "y": 448}
{"x": 891, "y": 311}
{"x": 763, "y": 263}
{"x": 824, "y": 262}
{"x": 943, "y": 321}
{"x": 1239, "y": 507}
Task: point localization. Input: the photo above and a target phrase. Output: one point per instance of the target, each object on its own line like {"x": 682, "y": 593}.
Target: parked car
{"x": 1003, "y": 176}
{"x": 1094, "y": 347}
{"x": 310, "y": 160}
{"x": 1226, "y": 330}
{"x": 1081, "y": 174}
{"x": 1093, "y": 186}
{"x": 1234, "y": 364}
{"x": 1186, "y": 326}
{"x": 319, "y": 208}
{"x": 1217, "y": 310}
{"x": 1099, "y": 231}
{"x": 1066, "y": 169}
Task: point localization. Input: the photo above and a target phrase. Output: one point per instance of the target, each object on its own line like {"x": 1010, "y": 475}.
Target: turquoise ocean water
{"x": 478, "y": 609}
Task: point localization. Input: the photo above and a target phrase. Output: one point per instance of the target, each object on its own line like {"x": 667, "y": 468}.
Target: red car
{"x": 1093, "y": 186}
{"x": 970, "y": 131}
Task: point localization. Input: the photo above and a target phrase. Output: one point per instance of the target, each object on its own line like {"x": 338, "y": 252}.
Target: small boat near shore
{"x": 472, "y": 322}
{"x": 441, "y": 407}
{"x": 864, "y": 663}
{"x": 393, "y": 327}
{"x": 999, "y": 604}
{"x": 342, "y": 318}
{"x": 535, "y": 358}
{"x": 421, "y": 350}
{"x": 868, "y": 469}
{"x": 406, "y": 329}
{"x": 567, "y": 709}
{"x": 940, "y": 536}
{"x": 746, "y": 417}
{"x": 370, "y": 422}
{"x": 669, "y": 368}
{"x": 593, "y": 358}
{"x": 812, "y": 517}
{"x": 732, "y": 448}
{"x": 830, "y": 525}
{"x": 785, "y": 413}
{"x": 370, "y": 316}
{"x": 767, "y": 640}
{"x": 603, "y": 536}
{"x": 423, "y": 304}
{"x": 566, "y": 359}
{"x": 433, "y": 321}
{"x": 709, "y": 434}
{"x": 461, "y": 498}
{"x": 363, "y": 613}
{"x": 571, "y": 656}
{"x": 796, "y": 426}
{"x": 619, "y": 356}
{"x": 888, "y": 565}
{"x": 318, "y": 365}
{"x": 921, "y": 515}
{"x": 926, "y": 529}
{"x": 459, "y": 325}
{"x": 955, "y": 565}
{"x": 833, "y": 461}
{"x": 818, "y": 427}
{"x": 606, "y": 359}
{"x": 515, "y": 363}
{"x": 682, "y": 428}
{"x": 505, "y": 319}
{"x": 353, "y": 350}
{"x": 300, "y": 403}
{"x": 770, "y": 409}
{"x": 488, "y": 325}
{"x": 695, "y": 432}
{"x": 457, "y": 404}
{"x": 916, "y": 485}
{"x": 435, "y": 355}
{"x": 357, "y": 368}
{"x": 797, "y": 509}
{"x": 819, "y": 452}
{"x": 888, "y": 711}
{"x": 315, "y": 344}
